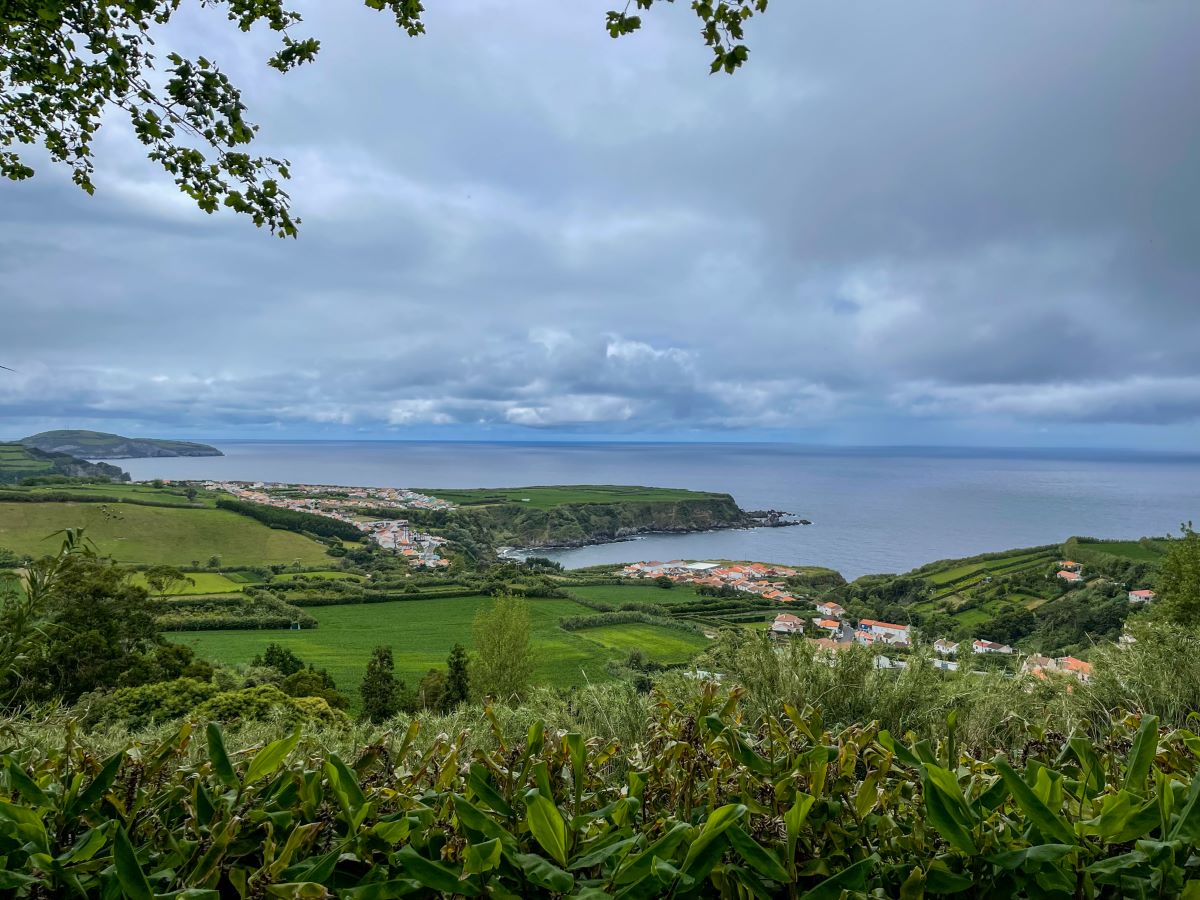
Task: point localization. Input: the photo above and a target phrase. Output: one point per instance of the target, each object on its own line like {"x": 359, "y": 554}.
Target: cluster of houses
{"x": 750, "y": 578}
{"x": 1038, "y": 666}
{"x": 1072, "y": 573}
{"x": 421, "y": 550}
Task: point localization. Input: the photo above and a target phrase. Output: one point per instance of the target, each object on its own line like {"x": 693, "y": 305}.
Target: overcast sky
{"x": 917, "y": 222}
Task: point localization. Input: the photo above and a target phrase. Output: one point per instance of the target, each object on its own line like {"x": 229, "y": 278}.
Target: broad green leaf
{"x": 483, "y": 857}
{"x": 1020, "y": 859}
{"x": 1045, "y": 820}
{"x": 222, "y": 767}
{"x": 714, "y": 826}
{"x": 547, "y": 825}
{"x": 948, "y": 825}
{"x": 544, "y": 873}
{"x": 760, "y": 859}
{"x": 473, "y": 818}
{"x": 1141, "y": 755}
{"x": 594, "y": 856}
{"x": 432, "y": 874}
{"x": 90, "y": 796}
{"x": 1187, "y": 823}
{"x": 306, "y": 890}
{"x": 134, "y": 884}
{"x": 268, "y": 760}
{"x": 344, "y": 784}
{"x": 852, "y": 878}
{"x": 25, "y": 786}
{"x": 794, "y": 820}
{"x": 383, "y": 890}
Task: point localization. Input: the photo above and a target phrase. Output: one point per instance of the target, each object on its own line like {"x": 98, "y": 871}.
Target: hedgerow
{"x": 709, "y": 804}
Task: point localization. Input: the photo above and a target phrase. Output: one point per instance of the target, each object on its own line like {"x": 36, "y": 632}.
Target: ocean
{"x": 873, "y": 509}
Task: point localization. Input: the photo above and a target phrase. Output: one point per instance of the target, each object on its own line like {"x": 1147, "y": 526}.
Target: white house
{"x": 945, "y": 647}
{"x": 1143, "y": 596}
{"x": 831, "y": 610}
{"x": 1070, "y": 577}
{"x": 886, "y": 631}
{"x": 990, "y": 647}
{"x": 786, "y": 623}
{"x": 946, "y": 665}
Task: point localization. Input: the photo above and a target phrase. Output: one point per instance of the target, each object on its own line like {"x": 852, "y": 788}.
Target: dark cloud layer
{"x": 929, "y": 221}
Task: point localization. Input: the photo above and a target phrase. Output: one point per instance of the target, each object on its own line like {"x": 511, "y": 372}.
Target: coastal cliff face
{"x": 579, "y": 524}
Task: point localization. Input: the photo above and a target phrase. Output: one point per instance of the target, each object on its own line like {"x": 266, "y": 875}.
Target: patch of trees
{"x": 625, "y": 617}
{"x": 292, "y": 520}
{"x": 255, "y": 609}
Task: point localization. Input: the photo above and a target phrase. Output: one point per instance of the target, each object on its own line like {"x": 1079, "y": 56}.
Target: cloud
{"x": 897, "y": 223}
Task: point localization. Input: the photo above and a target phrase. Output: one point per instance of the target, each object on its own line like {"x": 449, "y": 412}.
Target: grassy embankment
{"x": 135, "y": 534}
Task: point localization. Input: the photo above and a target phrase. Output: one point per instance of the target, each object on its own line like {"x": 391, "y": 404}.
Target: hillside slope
{"x": 18, "y": 462}
{"x": 101, "y": 445}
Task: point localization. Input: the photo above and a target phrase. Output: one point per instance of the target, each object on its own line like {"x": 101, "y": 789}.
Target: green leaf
{"x": 134, "y": 884}
{"x": 717, "y": 823}
{"x": 220, "y": 759}
{"x": 1187, "y": 824}
{"x": 474, "y": 819}
{"x": 432, "y": 874}
{"x": 25, "y": 785}
{"x": 483, "y": 857}
{"x": 1039, "y": 814}
{"x": 1021, "y": 859}
{"x": 1141, "y": 755}
{"x": 544, "y": 873}
{"x": 596, "y": 855}
{"x": 795, "y": 818}
{"x": 547, "y": 825}
{"x": 268, "y": 760}
{"x": 852, "y": 878}
{"x": 948, "y": 825}
{"x": 383, "y": 890}
{"x": 91, "y": 795}
{"x": 760, "y": 859}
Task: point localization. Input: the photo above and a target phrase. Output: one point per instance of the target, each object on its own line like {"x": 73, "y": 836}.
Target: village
{"x": 423, "y": 551}
{"x": 834, "y": 630}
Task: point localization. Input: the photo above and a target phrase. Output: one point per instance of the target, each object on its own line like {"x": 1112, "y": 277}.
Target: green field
{"x": 144, "y": 492}
{"x": 1150, "y": 551}
{"x": 665, "y": 645}
{"x": 324, "y": 575}
{"x": 547, "y": 497}
{"x": 421, "y": 633}
{"x": 616, "y": 594}
{"x": 152, "y": 535}
{"x": 202, "y": 583}
{"x": 14, "y": 458}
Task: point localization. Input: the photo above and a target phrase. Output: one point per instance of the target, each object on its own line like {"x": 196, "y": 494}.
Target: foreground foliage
{"x": 709, "y": 804}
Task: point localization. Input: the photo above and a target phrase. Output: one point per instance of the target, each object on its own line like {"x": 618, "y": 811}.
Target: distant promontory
{"x": 100, "y": 445}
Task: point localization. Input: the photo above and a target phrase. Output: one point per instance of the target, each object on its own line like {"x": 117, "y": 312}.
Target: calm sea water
{"x": 873, "y": 509}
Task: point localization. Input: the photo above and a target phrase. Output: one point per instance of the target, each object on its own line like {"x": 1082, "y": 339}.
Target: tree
{"x": 431, "y": 692}
{"x": 664, "y": 582}
{"x": 458, "y": 677}
{"x": 164, "y": 579}
{"x": 191, "y": 493}
{"x": 279, "y": 658}
{"x": 66, "y": 65}
{"x": 214, "y": 562}
{"x": 380, "y": 690}
{"x": 1179, "y": 580}
{"x": 503, "y": 663}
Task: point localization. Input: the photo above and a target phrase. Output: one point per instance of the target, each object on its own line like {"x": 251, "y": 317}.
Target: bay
{"x": 873, "y": 509}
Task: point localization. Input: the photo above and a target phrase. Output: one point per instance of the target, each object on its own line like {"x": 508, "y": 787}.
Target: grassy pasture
{"x": 547, "y": 497}
{"x": 1151, "y": 551}
{"x": 152, "y": 535}
{"x": 202, "y": 583}
{"x": 421, "y": 633}
{"x": 326, "y": 575}
{"x": 666, "y": 645}
{"x": 131, "y": 491}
